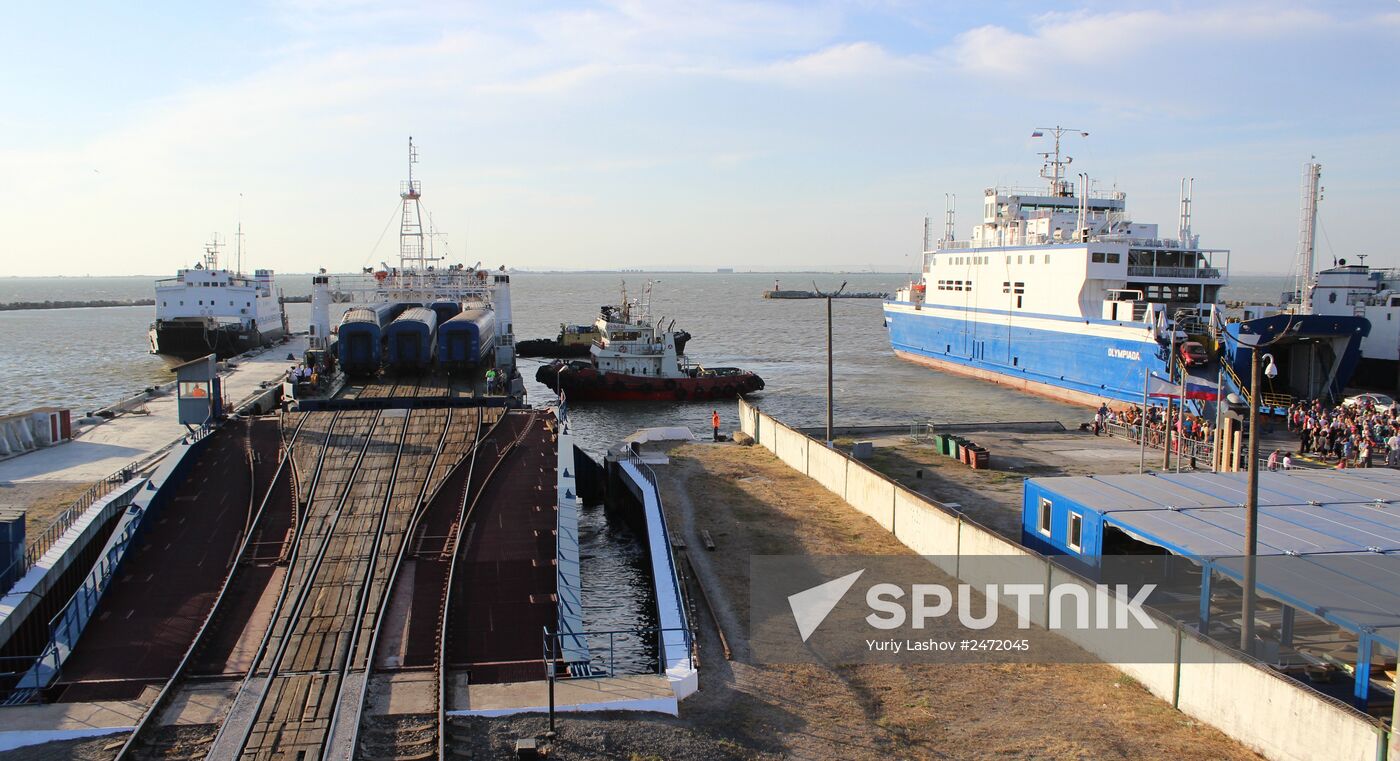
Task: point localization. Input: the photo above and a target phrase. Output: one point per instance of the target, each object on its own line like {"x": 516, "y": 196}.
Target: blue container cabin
{"x": 410, "y": 340}
{"x": 468, "y": 339}
{"x": 1328, "y": 544}
{"x": 360, "y": 338}
{"x": 445, "y": 310}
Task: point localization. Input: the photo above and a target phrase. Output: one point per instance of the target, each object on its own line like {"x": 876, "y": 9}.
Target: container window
{"x": 1076, "y": 532}
{"x": 1032, "y": 261}
{"x": 1113, "y": 258}
{"x": 1047, "y": 258}
{"x": 1096, "y": 257}
{"x": 1044, "y": 523}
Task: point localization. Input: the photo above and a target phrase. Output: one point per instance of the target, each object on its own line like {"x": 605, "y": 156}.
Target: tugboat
{"x": 634, "y": 359}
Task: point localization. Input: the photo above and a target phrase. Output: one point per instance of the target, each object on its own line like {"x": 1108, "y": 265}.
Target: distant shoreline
{"x": 21, "y": 306}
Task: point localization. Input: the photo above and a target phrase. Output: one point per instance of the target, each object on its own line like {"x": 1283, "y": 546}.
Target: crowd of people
{"x": 1189, "y": 427}
{"x": 1358, "y": 435}
{"x": 1351, "y": 435}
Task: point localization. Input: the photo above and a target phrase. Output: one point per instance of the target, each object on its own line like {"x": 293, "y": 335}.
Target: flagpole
{"x": 1142, "y": 423}
{"x": 1219, "y": 393}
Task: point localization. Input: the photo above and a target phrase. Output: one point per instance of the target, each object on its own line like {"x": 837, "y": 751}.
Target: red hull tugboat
{"x": 633, "y": 359}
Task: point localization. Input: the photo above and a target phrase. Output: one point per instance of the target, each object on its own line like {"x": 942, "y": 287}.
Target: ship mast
{"x": 211, "y": 253}
{"x": 413, "y": 253}
{"x": 1307, "y": 234}
{"x": 1055, "y": 168}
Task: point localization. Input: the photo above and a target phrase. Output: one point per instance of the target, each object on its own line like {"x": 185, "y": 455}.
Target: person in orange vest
{"x": 714, "y": 422}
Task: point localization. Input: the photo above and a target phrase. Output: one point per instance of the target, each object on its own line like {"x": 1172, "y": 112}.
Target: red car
{"x": 1193, "y": 354}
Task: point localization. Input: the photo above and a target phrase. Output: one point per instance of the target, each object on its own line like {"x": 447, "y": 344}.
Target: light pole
{"x": 1167, "y": 430}
{"x": 1251, "y": 525}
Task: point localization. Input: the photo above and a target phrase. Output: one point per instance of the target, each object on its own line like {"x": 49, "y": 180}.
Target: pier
{"x": 337, "y": 581}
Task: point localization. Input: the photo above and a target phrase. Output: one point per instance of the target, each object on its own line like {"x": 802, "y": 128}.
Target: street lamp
{"x": 1251, "y": 524}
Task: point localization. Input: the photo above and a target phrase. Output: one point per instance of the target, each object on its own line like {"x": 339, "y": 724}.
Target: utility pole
{"x": 830, "y": 396}
{"x": 1251, "y": 523}
{"x": 1167, "y": 431}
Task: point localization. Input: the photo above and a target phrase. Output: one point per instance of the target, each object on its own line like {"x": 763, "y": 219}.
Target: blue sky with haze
{"x": 752, "y": 135}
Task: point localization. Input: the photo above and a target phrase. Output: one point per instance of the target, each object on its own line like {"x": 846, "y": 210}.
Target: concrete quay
{"x": 40, "y": 480}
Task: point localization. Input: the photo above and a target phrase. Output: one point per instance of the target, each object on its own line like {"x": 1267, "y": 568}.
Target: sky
{"x": 665, "y": 134}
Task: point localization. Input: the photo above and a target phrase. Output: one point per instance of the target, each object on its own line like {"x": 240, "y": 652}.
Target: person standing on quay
{"x": 714, "y": 423}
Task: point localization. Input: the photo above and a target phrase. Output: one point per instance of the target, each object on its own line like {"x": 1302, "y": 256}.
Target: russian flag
{"x": 1203, "y": 390}
{"x": 1037, "y": 133}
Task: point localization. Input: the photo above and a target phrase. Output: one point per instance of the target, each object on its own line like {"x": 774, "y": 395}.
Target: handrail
{"x": 553, "y": 643}
{"x": 650, "y": 476}
{"x": 60, "y": 524}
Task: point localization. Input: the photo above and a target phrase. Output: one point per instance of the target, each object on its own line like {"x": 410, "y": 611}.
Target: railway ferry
{"x": 1059, "y": 291}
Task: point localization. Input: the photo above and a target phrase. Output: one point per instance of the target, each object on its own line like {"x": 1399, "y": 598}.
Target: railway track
{"x": 477, "y": 481}
{"x": 144, "y": 740}
{"x": 285, "y": 706}
{"x": 370, "y": 490}
{"x": 421, "y": 593}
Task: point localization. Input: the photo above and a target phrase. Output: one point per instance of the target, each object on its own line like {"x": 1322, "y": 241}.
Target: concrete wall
{"x": 1266, "y": 711}
{"x": 871, "y": 493}
{"x": 1215, "y": 685}
{"x": 791, "y": 448}
{"x": 828, "y": 468}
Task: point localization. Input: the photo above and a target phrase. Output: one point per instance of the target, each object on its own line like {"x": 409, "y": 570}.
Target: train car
{"x": 445, "y": 309}
{"x": 360, "y": 338}
{"x": 468, "y": 339}
{"x": 410, "y": 340}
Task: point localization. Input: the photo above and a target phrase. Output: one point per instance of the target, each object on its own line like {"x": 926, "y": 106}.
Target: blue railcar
{"x": 468, "y": 339}
{"x": 445, "y": 309}
{"x": 360, "y": 338}
{"x": 410, "y": 340}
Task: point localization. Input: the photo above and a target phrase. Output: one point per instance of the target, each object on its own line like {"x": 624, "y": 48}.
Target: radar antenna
{"x": 1054, "y": 168}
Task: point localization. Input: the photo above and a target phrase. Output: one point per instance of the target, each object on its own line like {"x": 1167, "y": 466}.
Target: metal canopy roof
{"x": 1329, "y": 541}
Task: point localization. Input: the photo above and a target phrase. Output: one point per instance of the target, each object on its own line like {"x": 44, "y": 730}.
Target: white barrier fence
{"x": 1241, "y": 697}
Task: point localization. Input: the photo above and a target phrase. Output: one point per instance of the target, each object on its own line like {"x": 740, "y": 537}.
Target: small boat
{"x": 634, "y": 359}
{"x": 573, "y": 341}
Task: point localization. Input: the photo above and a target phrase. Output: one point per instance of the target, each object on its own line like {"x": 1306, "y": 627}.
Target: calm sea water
{"x": 86, "y": 358}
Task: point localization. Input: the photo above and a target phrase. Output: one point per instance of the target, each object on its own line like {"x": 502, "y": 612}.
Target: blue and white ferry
{"x": 1059, "y": 291}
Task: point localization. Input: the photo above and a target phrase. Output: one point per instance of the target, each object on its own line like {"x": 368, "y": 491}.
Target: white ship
{"x": 206, "y": 309}
{"x": 1059, "y": 291}
{"x": 1349, "y": 290}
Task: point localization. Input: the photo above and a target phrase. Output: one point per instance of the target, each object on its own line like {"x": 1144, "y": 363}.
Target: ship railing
{"x": 1196, "y": 273}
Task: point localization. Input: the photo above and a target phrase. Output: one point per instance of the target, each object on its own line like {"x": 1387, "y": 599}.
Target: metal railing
{"x": 650, "y": 476}
{"x": 1200, "y": 273}
{"x": 1192, "y": 450}
{"x": 46, "y": 538}
{"x": 600, "y": 666}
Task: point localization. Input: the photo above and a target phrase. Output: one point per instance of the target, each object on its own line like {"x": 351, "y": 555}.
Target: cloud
{"x": 1109, "y": 41}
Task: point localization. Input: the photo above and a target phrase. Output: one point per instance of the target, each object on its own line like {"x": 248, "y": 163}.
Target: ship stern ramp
{"x": 1316, "y": 355}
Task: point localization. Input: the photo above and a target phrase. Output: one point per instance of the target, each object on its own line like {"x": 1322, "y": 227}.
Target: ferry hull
{"x": 587, "y": 384}
{"x": 1074, "y": 362}
{"x": 178, "y": 341}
